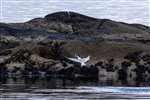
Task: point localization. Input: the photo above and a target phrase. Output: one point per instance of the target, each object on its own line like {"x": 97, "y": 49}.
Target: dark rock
{"x": 3, "y": 71}
{"x": 122, "y": 75}
{"x": 134, "y": 56}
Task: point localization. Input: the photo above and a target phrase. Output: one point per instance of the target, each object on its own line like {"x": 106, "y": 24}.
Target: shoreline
{"x": 135, "y": 69}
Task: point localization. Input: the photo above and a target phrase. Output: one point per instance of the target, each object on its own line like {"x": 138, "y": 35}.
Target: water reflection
{"x": 45, "y": 83}
{"x": 48, "y": 82}
{"x": 37, "y": 88}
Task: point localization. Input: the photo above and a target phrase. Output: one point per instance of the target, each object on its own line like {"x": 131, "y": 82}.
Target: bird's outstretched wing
{"x": 73, "y": 59}
{"x": 86, "y": 59}
{"x": 77, "y": 56}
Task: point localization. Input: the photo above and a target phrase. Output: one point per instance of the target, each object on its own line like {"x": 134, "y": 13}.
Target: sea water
{"x": 68, "y": 89}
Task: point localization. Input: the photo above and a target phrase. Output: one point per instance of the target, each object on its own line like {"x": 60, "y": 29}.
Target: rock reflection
{"x": 33, "y": 88}
{"x": 37, "y": 82}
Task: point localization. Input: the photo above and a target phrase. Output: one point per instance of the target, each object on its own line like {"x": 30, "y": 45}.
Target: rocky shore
{"x": 23, "y": 63}
{"x": 29, "y": 63}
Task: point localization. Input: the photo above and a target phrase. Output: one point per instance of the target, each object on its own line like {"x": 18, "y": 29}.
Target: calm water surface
{"x": 65, "y": 89}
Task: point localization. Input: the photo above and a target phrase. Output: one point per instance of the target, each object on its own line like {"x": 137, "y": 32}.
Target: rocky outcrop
{"x": 124, "y": 72}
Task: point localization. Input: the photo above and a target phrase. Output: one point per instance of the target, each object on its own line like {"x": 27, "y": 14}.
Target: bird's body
{"x": 80, "y": 60}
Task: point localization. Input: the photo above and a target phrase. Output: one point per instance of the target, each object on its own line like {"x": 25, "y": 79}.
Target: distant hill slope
{"x": 70, "y": 24}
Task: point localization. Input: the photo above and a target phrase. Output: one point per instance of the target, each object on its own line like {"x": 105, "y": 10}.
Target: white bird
{"x": 80, "y": 60}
